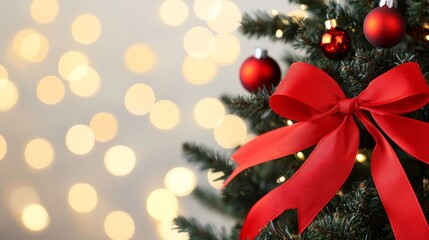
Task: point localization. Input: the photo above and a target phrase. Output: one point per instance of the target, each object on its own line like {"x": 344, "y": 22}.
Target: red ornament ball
{"x": 259, "y": 71}
{"x": 384, "y": 27}
{"x": 335, "y": 42}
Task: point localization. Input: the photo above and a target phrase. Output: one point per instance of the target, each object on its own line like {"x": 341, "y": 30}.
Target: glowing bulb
{"x": 164, "y": 115}
{"x": 230, "y": 132}
{"x": 360, "y": 157}
{"x": 140, "y": 58}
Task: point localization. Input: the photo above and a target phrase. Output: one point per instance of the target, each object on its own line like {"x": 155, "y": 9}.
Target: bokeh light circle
{"x": 119, "y": 160}
{"x": 3, "y": 147}
{"x": 86, "y": 29}
{"x": 50, "y": 90}
{"x": 140, "y": 58}
{"x": 80, "y": 139}
{"x": 180, "y": 181}
{"x": 162, "y": 204}
{"x": 35, "y": 217}
{"x": 224, "y": 16}
{"x": 199, "y": 71}
{"x": 139, "y": 99}
{"x": 208, "y": 112}
{"x": 164, "y": 115}
{"x": 230, "y": 132}
{"x": 8, "y": 95}
{"x": 197, "y": 41}
{"x": 73, "y": 65}
{"x": 82, "y": 197}
{"x": 39, "y": 153}
{"x": 30, "y": 45}
{"x": 119, "y": 225}
{"x": 226, "y": 49}
{"x": 88, "y": 85}
{"x": 104, "y": 126}
{"x": 202, "y": 8}
{"x": 174, "y": 12}
{"x": 44, "y": 11}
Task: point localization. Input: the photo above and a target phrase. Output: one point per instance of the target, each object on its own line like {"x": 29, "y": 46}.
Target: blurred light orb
{"x": 119, "y": 160}
{"x": 119, "y": 225}
{"x": 162, "y": 204}
{"x": 212, "y": 178}
{"x": 167, "y": 231}
{"x": 80, "y": 139}
{"x": 224, "y": 16}
{"x": 88, "y": 85}
{"x": 174, "y": 12}
{"x": 198, "y": 42}
{"x": 199, "y": 71}
{"x": 361, "y": 157}
{"x": 21, "y": 197}
{"x": 164, "y": 115}
{"x": 104, "y": 126}
{"x": 35, "y": 217}
{"x": 30, "y": 45}
{"x": 140, "y": 58}
{"x": 3, "y": 73}
{"x": 86, "y": 29}
{"x": 44, "y": 11}
{"x": 3, "y": 147}
{"x": 8, "y": 95}
{"x": 202, "y": 8}
{"x": 82, "y": 197}
{"x": 50, "y": 90}
{"x": 39, "y": 153}
{"x": 208, "y": 112}
{"x": 230, "y": 132}
{"x": 139, "y": 99}
{"x": 73, "y": 65}
{"x": 226, "y": 49}
{"x": 180, "y": 181}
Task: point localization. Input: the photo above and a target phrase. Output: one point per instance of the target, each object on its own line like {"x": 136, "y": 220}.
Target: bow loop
{"x": 400, "y": 90}
{"x": 305, "y": 95}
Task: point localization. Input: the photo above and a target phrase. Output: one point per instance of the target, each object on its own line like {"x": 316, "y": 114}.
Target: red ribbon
{"x": 309, "y": 95}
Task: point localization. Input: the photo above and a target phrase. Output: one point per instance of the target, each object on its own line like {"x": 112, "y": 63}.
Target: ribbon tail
{"x": 410, "y": 134}
{"x": 398, "y": 198}
{"x": 282, "y": 142}
{"x": 313, "y": 185}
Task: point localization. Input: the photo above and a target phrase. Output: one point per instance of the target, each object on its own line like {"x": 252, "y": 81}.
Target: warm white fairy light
{"x": 361, "y": 157}
{"x": 281, "y": 179}
{"x": 279, "y": 33}
{"x": 300, "y": 155}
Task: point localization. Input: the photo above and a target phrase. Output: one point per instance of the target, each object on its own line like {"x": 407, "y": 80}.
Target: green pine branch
{"x": 207, "y": 159}
{"x": 196, "y": 231}
{"x": 255, "y": 109}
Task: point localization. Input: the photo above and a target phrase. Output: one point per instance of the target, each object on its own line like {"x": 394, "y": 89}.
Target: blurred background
{"x": 97, "y": 98}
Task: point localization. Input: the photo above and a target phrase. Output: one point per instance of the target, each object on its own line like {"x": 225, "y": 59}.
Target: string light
{"x": 361, "y": 157}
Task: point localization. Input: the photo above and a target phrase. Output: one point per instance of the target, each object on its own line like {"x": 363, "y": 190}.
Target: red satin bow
{"x": 325, "y": 115}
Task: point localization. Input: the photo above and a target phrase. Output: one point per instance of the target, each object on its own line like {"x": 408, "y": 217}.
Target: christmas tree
{"x": 342, "y": 146}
